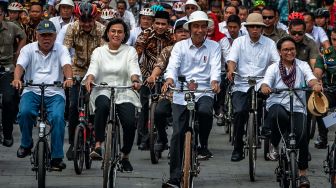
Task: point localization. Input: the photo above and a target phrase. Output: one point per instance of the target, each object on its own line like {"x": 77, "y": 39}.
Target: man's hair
{"x": 309, "y": 14}
{"x": 122, "y": 2}
{"x": 114, "y": 22}
{"x": 242, "y": 7}
{"x": 284, "y": 39}
{"x": 255, "y": 9}
{"x": 37, "y": 3}
{"x": 166, "y": 6}
{"x": 234, "y": 19}
{"x": 269, "y": 8}
{"x": 237, "y": 10}
{"x": 297, "y": 22}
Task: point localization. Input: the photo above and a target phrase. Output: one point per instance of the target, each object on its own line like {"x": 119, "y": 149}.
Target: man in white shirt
{"x": 65, "y": 9}
{"x": 289, "y": 72}
{"x": 250, "y": 55}
{"x": 126, "y": 15}
{"x": 228, "y": 11}
{"x": 189, "y": 7}
{"x": 317, "y": 33}
{"x": 43, "y": 61}
{"x": 197, "y": 59}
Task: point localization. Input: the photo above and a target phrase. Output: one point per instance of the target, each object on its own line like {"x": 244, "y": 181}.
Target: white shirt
{"x": 44, "y": 68}
{"x": 200, "y": 64}
{"x": 115, "y": 67}
{"x": 129, "y": 19}
{"x": 134, "y": 33}
{"x": 273, "y": 79}
{"x": 282, "y": 26}
{"x": 225, "y": 48}
{"x": 51, "y": 2}
{"x": 319, "y": 35}
{"x": 252, "y": 59}
{"x": 60, "y": 38}
{"x": 223, "y": 29}
{"x": 59, "y": 23}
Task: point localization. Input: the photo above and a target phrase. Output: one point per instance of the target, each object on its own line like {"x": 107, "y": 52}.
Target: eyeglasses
{"x": 190, "y": 7}
{"x": 254, "y": 26}
{"x": 268, "y": 17}
{"x": 287, "y": 50}
{"x": 300, "y": 33}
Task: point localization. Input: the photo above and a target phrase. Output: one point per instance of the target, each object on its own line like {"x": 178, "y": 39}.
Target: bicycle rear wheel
{"x": 41, "y": 161}
{"x": 115, "y": 160}
{"x": 282, "y": 170}
{"x": 79, "y": 149}
{"x": 154, "y": 155}
{"x": 251, "y": 127}
{"x": 186, "y": 165}
{"x": 294, "y": 170}
{"x": 107, "y": 155}
{"x": 332, "y": 166}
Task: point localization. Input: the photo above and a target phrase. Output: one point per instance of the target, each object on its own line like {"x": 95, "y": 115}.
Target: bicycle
{"x": 190, "y": 163}
{"x": 84, "y": 141}
{"x": 287, "y": 170}
{"x": 41, "y": 157}
{"x": 112, "y": 144}
{"x": 252, "y": 138}
{"x": 228, "y": 115}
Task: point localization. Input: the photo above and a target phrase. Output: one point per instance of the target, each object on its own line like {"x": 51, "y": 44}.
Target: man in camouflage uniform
{"x": 149, "y": 46}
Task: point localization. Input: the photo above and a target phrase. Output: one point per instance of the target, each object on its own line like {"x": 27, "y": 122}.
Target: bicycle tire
{"x": 293, "y": 169}
{"x": 87, "y": 158}
{"x": 154, "y": 155}
{"x": 312, "y": 127}
{"x": 284, "y": 182}
{"x": 41, "y": 161}
{"x": 107, "y": 155}
{"x": 266, "y": 148}
{"x": 186, "y": 165}
{"x": 332, "y": 167}
{"x": 114, "y": 160}
{"x": 79, "y": 149}
{"x": 252, "y": 146}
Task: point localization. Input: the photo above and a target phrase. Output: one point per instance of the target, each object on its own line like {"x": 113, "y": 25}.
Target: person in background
{"x": 65, "y": 9}
{"x": 242, "y": 13}
{"x": 134, "y": 8}
{"x": 189, "y": 7}
{"x": 109, "y": 14}
{"x": 126, "y": 15}
{"x": 277, "y": 21}
{"x": 270, "y": 30}
{"x": 216, "y": 8}
{"x": 14, "y": 10}
{"x": 228, "y": 11}
{"x": 35, "y": 15}
{"x": 204, "y": 4}
{"x": 322, "y": 17}
{"x": 234, "y": 31}
{"x": 177, "y": 8}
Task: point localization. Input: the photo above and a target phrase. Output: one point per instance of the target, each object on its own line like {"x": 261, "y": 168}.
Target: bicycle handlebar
{"x": 105, "y": 85}
{"x": 55, "y": 84}
{"x": 278, "y": 90}
{"x": 207, "y": 90}
{"x": 249, "y": 77}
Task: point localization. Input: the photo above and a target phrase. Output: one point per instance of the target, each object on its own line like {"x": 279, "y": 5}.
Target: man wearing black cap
{"x": 43, "y": 61}
{"x": 149, "y": 45}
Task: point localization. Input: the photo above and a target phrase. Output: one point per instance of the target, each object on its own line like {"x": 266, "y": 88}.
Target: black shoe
{"x": 96, "y": 154}
{"x": 143, "y": 146}
{"x": 204, "y": 153}
{"x": 265, "y": 132}
{"x": 57, "y": 164}
{"x": 320, "y": 143}
{"x": 160, "y": 147}
{"x": 8, "y": 142}
{"x": 237, "y": 156}
{"x": 23, "y": 152}
{"x": 304, "y": 182}
{"x": 126, "y": 165}
{"x": 171, "y": 183}
{"x": 70, "y": 153}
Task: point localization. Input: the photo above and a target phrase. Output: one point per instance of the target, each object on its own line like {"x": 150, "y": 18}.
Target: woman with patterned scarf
{"x": 289, "y": 73}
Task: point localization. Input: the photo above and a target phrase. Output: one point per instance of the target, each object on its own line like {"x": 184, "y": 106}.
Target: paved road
{"x": 218, "y": 172}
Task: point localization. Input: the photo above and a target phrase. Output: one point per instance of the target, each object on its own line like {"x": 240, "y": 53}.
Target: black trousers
{"x": 204, "y": 112}
{"x": 73, "y": 111}
{"x": 220, "y": 97}
{"x": 143, "y": 117}
{"x": 126, "y": 113}
{"x": 323, "y": 131}
{"x": 278, "y": 118}
{"x": 162, "y": 112}
{"x": 10, "y": 101}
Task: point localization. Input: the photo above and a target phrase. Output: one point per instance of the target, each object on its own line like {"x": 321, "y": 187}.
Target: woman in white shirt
{"x": 116, "y": 64}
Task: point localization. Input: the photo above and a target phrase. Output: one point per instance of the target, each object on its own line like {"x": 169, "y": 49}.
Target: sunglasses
{"x": 268, "y": 17}
{"x": 300, "y": 33}
{"x": 254, "y": 26}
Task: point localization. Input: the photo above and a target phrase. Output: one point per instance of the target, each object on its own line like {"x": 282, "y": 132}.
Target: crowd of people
{"x": 130, "y": 42}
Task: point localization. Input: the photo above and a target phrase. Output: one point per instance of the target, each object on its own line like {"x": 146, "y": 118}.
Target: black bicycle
{"x": 228, "y": 115}
{"x": 84, "y": 140}
{"x": 287, "y": 170}
{"x": 41, "y": 157}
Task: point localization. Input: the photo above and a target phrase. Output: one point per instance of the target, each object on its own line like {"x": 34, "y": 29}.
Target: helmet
{"x": 190, "y": 2}
{"x": 259, "y": 3}
{"x": 178, "y": 6}
{"x": 156, "y": 8}
{"x": 147, "y": 12}
{"x": 197, "y": 16}
{"x": 318, "y": 104}
{"x": 322, "y": 12}
{"x": 109, "y": 14}
{"x": 86, "y": 10}
{"x": 15, "y": 6}
{"x": 100, "y": 5}
{"x": 295, "y": 15}
{"x": 65, "y": 2}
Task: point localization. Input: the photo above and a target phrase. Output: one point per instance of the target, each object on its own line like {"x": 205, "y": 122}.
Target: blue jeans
{"x": 29, "y": 110}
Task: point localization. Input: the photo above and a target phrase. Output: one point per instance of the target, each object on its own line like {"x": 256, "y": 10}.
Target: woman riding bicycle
{"x": 115, "y": 64}
{"x": 289, "y": 73}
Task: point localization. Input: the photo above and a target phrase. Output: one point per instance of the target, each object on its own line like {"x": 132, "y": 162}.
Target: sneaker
{"x": 57, "y": 164}
{"x": 126, "y": 165}
{"x": 204, "y": 153}
{"x": 273, "y": 155}
{"x": 220, "y": 121}
{"x": 171, "y": 183}
{"x": 96, "y": 154}
{"x": 304, "y": 182}
{"x": 320, "y": 143}
{"x": 237, "y": 155}
{"x": 70, "y": 153}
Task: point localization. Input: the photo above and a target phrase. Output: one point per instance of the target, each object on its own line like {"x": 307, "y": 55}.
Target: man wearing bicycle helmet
{"x": 14, "y": 10}
{"x": 146, "y": 20}
{"x": 322, "y": 18}
{"x": 65, "y": 9}
{"x": 199, "y": 59}
{"x": 84, "y": 35}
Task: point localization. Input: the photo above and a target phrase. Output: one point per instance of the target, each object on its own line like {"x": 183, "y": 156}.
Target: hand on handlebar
{"x": 230, "y": 75}
{"x": 266, "y": 90}
{"x": 136, "y": 86}
{"x": 151, "y": 80}
{"x": 215, "y": 86}
{"x": 88, "y": 83}
{"x": 68, "y": 83}
{"x": 169, "y": 83}
{"x": 17, "y": 84}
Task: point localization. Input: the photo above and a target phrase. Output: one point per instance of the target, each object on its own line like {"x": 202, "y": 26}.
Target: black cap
{"x": 179, "y": 24}
{"x": 162, "y": 14}
{"x": 46, "y": 26}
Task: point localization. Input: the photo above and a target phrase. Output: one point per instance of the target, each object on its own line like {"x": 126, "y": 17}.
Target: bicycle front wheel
{"x": 114, "y": 160}
{"x": 252, "y": 146}
{"x": 332, "y": 166}
{"x": 154, "y": 155}
{"x": 186, "y": 165}
{"x": 79, "y": 149}
{"x": 294, "y": 170}
{"x": 107, "y": 154}
{"x": 41, "y": 160}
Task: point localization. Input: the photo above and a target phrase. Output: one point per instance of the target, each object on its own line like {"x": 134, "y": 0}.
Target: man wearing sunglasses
{"x": 250, "y": 55}
{"x": 189, "y": 7}
{"x": 270, "y": 30}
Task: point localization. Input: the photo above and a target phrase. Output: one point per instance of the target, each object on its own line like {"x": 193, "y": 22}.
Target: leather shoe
{"x": 23, "y": 152}
{"x": 8, "y": 142}
{"x": 320, "y": 143}
{"x": 57, "y": 164}
{"x": 304, "y": 182}
{"x": 237, "y": 156}
{"x": 143, "y": 146}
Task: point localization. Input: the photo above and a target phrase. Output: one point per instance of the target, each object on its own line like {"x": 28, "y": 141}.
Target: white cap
{"x": 65, "y": 2}
{"x": 198, "y": 16}
{"x": 191, "y": 2}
